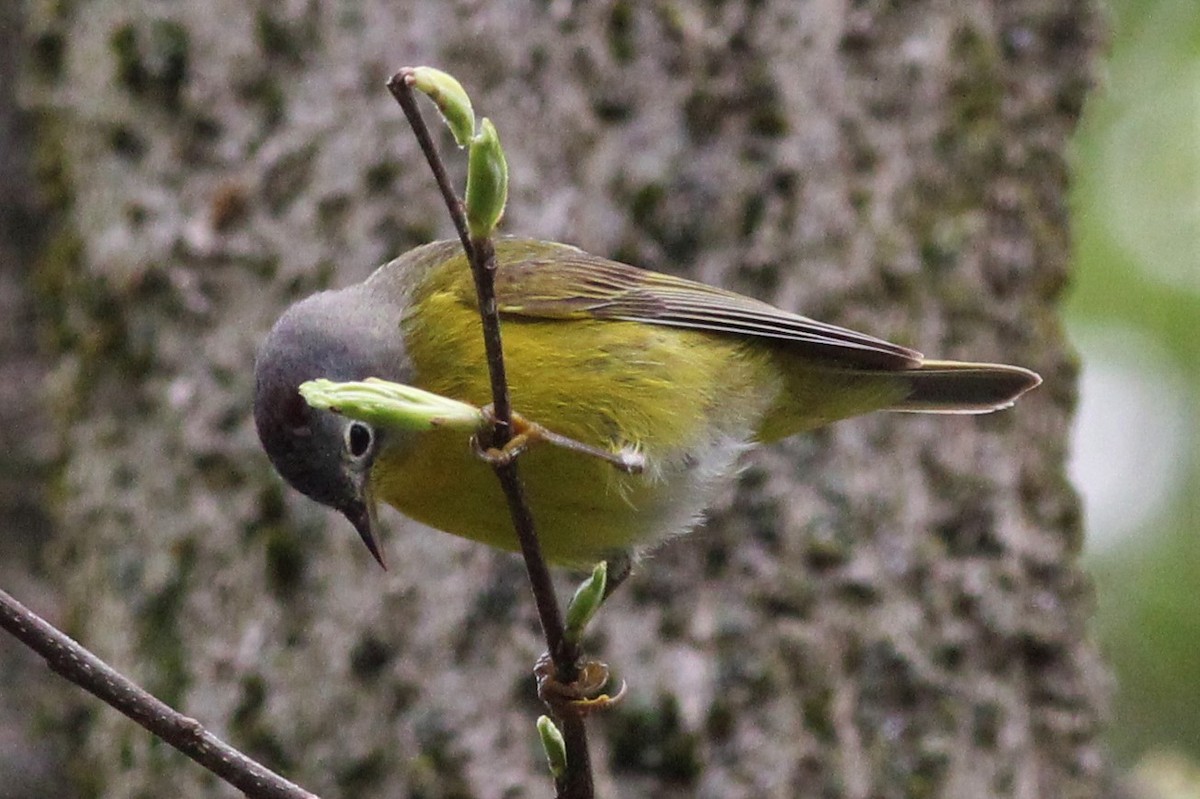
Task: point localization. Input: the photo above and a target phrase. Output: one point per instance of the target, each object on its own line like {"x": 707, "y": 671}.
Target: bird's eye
{"x": 358, "y": 439}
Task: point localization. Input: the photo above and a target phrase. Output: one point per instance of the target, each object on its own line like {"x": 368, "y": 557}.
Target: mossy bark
{"x": 890, "y": 607}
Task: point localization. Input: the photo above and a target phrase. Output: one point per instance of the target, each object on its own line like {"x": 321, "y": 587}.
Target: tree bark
{"x": 889, "y": 607}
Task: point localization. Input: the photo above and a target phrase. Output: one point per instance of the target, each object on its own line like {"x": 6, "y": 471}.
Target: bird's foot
{"x": 526, "y": 433}
{"x": 581, "y": 697}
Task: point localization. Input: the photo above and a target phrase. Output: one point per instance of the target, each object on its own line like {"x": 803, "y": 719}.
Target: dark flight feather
{"x": 573, "y": 285}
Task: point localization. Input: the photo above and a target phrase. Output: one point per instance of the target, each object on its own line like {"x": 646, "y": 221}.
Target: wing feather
{"x": 567, "y": 283}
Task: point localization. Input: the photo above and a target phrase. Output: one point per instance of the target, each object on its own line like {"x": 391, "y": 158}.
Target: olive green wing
{"x": 553, "y": 281}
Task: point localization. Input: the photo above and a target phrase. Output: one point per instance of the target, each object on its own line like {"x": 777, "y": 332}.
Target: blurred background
{"x": 1135, "y": 317}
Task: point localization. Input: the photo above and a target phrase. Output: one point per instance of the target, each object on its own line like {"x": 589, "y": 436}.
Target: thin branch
{"x": 75, "y": 663}
{"x": 577, "y": 782}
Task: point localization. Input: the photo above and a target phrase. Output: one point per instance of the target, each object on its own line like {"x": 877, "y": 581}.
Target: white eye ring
{"x": 360, "y": 439}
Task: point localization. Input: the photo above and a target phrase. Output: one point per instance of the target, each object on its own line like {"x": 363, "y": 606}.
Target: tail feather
{"x": 962, "y": 387}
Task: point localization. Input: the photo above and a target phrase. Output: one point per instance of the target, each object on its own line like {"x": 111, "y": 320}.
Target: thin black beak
{"x": 362, "y": 516}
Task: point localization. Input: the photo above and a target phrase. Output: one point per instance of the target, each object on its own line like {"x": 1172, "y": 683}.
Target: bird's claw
{"x": 581, "y": 697}
{"x": 524, "y": 433}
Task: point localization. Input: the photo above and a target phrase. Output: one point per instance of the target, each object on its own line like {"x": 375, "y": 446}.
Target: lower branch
{"x": 75, "y": 663}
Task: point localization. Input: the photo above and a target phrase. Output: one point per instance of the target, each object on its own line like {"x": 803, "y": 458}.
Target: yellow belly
{"x": 688, "y": 400}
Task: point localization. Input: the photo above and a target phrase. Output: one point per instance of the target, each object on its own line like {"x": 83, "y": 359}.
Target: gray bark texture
{"x": 890, "y": 607}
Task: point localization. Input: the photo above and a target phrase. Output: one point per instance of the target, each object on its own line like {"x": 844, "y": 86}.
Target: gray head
{"x": 342, "y": 335}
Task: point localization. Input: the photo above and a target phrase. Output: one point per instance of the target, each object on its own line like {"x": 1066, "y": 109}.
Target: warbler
{"x": 685, "y": 375}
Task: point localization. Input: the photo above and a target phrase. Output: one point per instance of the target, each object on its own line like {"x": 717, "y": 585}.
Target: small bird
{"x": 686, "y": 375}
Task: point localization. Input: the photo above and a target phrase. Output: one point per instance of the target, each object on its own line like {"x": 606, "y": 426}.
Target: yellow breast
{"x": 688, "y": 400}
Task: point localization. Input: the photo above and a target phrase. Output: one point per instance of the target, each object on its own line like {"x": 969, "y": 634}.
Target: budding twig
{"x": 576, "y": 782}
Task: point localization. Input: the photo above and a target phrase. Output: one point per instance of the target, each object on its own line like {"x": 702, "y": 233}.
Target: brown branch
{"x": 577, "y": 782}
{"x": 75, "y": 663}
